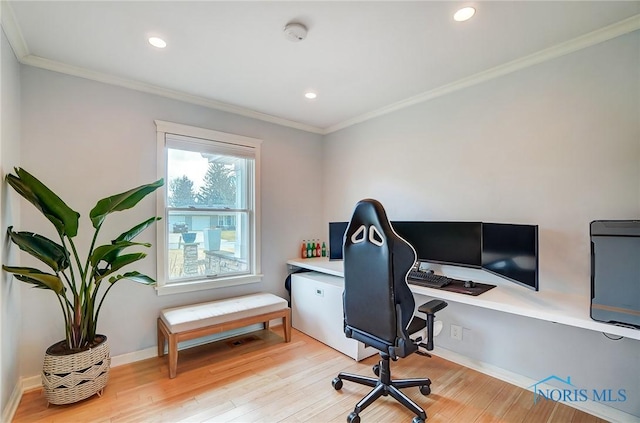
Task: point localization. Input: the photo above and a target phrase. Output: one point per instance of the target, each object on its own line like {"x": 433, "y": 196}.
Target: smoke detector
{"x": 295, "y": 32}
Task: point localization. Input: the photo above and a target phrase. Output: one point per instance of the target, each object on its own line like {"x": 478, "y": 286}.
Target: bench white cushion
{"x": 195, "y": 316}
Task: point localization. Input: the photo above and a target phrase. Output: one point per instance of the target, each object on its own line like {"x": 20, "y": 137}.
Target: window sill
{"x": 193, "y": 286}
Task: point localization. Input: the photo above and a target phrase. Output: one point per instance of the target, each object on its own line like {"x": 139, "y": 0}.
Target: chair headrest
{"x": 368, "y": 223}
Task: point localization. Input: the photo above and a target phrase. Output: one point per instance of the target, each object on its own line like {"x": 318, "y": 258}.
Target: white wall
{"x": 557, "y": 145}
{"x": 88, "y": 140}
{"x": 9, "y": 215}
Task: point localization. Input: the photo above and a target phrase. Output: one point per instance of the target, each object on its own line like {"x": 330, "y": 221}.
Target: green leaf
{"x": 110, "y": 252}
{"x": 122, "y": 201}
{"x": 128, "y": 236}
{"x": 45, "y": 250}
{"x": 26, "y": 192}
{"x": 62, "y": 216}
{"x": 135, "y": 277}
{"x": 135, "y": 231}
{"x": 37, "y": 278}
{"x": 119, "y": 263}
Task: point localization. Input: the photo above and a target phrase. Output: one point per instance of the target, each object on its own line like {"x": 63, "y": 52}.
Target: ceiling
{"x": 362, "y": 58}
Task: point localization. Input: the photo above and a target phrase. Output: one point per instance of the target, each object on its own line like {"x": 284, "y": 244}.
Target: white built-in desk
{"x": 567, "y": 309}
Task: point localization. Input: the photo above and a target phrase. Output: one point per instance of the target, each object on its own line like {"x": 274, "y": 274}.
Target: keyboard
{"x": 428, "y": 279}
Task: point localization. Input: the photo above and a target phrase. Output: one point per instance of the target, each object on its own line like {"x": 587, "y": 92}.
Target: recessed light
{"x": 157, "y": 42}
{"x": 464, "y": 14}
{"x": 311, "y": 95}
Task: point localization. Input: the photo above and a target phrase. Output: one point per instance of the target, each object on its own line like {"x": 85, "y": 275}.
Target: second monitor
{"x": 457, "y": 243}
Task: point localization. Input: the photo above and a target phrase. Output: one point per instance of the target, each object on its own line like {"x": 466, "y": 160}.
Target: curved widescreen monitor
{"x": 457, "y": 243}
{"x": 511, "y": 251}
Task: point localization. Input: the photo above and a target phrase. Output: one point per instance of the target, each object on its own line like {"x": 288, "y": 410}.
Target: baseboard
{"x": 12, "y": 405}
{"x": 132, "y": 357}
{"x": 597, "y": 409}
{"x": 30, "y": 383}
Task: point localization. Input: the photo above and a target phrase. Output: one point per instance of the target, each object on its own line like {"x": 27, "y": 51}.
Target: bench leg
{"x": 161, "y": 338}
{"x": 173, "y": 355}
{"x": 266, "y": 324}
{"x": 286, "y": 322}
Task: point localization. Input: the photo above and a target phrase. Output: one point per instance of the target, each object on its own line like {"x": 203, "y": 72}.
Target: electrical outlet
{"x": 456, "y": 332}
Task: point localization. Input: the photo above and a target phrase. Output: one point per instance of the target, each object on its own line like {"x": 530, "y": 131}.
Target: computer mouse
{"x": 469, "y": 284}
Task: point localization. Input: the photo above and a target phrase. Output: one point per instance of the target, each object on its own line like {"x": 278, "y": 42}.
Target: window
{"x": 209, "y": 236}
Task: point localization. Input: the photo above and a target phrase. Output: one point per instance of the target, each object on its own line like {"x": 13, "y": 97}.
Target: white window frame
{"x": 203, "y": 135}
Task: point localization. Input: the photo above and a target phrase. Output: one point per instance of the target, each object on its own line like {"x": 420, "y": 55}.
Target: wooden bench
{"x": 195, "y": 321}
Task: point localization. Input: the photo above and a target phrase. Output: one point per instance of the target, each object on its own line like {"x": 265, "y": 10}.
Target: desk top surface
{"x": 571, "y": 310}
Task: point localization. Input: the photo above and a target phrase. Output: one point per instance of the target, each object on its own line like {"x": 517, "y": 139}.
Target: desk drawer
{"x": 316, "y": 301}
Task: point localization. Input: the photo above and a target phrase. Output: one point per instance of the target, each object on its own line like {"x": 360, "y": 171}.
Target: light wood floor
{"x": 266, "y": 380}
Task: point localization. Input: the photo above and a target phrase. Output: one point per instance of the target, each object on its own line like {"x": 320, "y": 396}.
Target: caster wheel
{"x": 337, "y": 383}
{"x": 354, "y": 418}
{"x": 376, "y": 369}
{"x": 417, "y": 419}
{"x": 425, "y": 390}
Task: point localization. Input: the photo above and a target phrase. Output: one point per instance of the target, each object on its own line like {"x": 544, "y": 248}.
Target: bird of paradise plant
{"x": 77, "y": 283}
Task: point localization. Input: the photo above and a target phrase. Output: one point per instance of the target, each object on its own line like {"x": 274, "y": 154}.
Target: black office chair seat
{"x": 379, "y": 306}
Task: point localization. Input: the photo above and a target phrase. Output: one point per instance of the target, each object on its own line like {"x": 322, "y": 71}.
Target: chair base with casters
{"x": 384, "y": 385}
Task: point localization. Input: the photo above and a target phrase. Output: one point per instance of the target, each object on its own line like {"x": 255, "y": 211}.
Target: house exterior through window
{"x": 209, "y": 236}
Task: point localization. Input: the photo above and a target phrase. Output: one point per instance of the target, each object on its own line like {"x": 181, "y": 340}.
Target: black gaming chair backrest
{"x": 376, "y": 263}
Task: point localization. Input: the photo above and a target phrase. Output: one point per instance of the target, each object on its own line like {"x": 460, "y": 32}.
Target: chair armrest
{"x": 432, "y": 306}
{"x": 430, "y": 309}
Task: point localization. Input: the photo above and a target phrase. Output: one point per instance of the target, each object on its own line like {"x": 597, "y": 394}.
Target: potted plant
{"x": 77, "y": 367}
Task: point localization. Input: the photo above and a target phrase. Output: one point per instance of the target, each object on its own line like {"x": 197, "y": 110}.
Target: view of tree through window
{"x": 218, "y": 189}
{"x": 219, "y": 186}
{"x": 181, "y": 193}
{"x": 207, "y": 215}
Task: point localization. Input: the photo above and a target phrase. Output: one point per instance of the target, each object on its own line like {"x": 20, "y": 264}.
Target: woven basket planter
{"x": 71, "y": 378}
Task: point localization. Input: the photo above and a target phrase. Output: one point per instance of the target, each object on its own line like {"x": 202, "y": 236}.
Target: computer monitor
{"x": 456, "y": 243}
{"x": 615, "y": 271}
{"x": 511, "y": 251}
{"x": 336, "y": 239}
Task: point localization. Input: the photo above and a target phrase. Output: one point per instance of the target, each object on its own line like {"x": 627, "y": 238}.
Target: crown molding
{"x": 60, "y": 67}
{"x": 12, "y": 30}
{"x": 590, "y": 39}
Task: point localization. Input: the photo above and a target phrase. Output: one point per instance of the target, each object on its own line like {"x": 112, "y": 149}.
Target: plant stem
{"x": 93, "y": 243}
{"x": 72, "y": 284}
{"x": 102, "y": 299}
{"x": 65, "y": 313}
